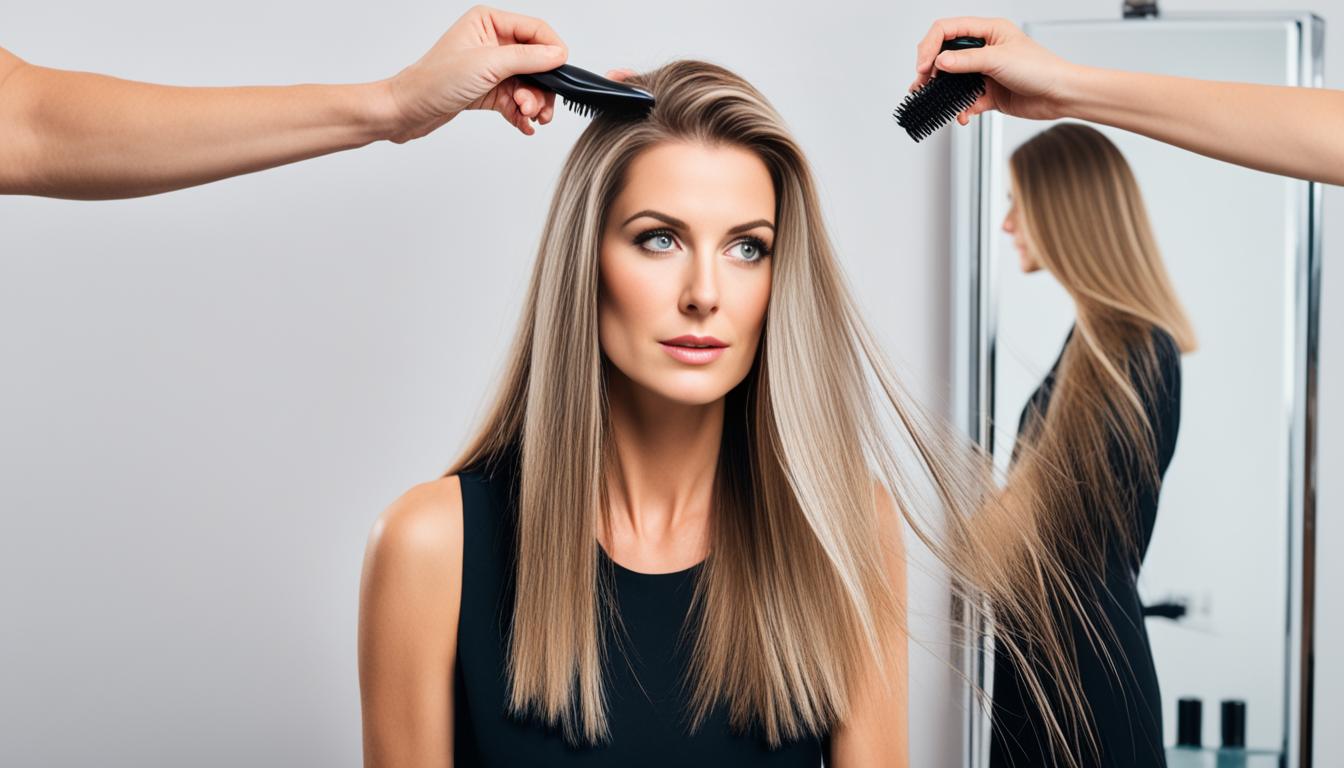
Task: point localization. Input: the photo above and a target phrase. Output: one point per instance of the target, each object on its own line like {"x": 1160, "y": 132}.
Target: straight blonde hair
{"x": 1087, "y": 224}
{"x": 1085, "y": 221}
{"x": 794, "y": 603}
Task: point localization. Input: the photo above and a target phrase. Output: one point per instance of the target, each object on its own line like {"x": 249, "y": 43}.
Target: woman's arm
{"x": 409, "y": 598}
{"x": 876, "y": 734}
{"x": 88, "y": 136}
{"x": 1290, "y": 131}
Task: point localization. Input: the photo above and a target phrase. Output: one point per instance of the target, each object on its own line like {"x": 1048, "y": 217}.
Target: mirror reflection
{"x": 1146, "y": 361}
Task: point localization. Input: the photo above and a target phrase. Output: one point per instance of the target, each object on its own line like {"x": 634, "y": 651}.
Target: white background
{"x": 208, "y": 396}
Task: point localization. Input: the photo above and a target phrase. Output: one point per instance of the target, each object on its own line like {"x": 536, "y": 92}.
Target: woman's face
{"x": 1012, "y": 224}
{"x": 685, "y": 269}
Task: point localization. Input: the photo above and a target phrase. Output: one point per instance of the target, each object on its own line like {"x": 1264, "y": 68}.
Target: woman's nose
{"x": 701, "y": 295}
{"x": 1008, "y": 223}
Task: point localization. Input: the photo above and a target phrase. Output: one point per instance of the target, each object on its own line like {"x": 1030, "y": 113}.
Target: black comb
{"x": 590, "y": 94}
{"x": 942, "y": 98}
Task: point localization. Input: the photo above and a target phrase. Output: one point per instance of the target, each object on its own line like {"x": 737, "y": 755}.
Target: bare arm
{"x": 88, "y": 136}
{"x": 409, "y": 601}
{"x": 876, "y": 733}
{"x": 1285, "y": 130}
{"x": 1296, "y": 132}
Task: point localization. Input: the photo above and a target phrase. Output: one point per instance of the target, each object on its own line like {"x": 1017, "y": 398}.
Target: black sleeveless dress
{"x": 643, "y": 678}
{"x": 1124, "y": 698}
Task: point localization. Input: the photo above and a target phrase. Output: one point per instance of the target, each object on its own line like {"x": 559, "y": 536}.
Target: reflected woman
{"x": 676, "y": 538}
{"x": 1093, "y": 445}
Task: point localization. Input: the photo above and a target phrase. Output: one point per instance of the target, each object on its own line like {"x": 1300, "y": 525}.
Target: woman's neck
{"x": 661, "y": 487}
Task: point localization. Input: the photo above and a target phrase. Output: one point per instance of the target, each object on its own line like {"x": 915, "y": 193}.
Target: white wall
{"x": 209, "y": 395}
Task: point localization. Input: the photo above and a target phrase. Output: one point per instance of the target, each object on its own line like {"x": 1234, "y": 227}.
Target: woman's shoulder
{"x": 409, "y": 609}
{"x": 419, "y": 536}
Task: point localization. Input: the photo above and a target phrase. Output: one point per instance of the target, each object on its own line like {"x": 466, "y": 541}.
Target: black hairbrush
{"x": 589, "y": 94}
{"x": 943, "y": 97}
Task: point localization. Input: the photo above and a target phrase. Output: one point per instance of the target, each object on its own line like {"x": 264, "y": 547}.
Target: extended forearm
{"x": 88, "y": 136}
{"x": 1285, "y": 130}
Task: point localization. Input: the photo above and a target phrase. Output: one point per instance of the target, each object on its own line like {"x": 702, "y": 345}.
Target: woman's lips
{"x": 693, "y": 355}
{"x": 694, "y": 350}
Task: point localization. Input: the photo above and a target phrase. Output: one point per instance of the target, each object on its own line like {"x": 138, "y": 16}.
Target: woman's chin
{"x": 690, "y": 388}
{"x": 692, "y": 395}
{"x": 676, "y": 384}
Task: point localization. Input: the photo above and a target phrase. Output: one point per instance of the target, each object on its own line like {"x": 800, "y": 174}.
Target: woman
{"x": 1099, "y": 432}
{"x": 666, "y": 544}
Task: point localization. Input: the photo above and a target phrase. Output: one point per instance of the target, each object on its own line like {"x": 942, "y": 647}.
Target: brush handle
{"x": 576, "y": 83}
{"x": 962, "y": 43}
{"x": 588, "y": 93}
{"x": 553, "y": 81}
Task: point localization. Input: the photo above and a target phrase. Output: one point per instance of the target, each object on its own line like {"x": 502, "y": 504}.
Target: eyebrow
{"x": 679, "y": 224}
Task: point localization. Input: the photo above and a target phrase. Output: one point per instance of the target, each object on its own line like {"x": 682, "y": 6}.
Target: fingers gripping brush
{"x": 942, "y": 98}
{"x": 590, "y": 94}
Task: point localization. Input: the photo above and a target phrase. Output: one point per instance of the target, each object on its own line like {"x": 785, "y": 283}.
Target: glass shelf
{"x": 1216, "y": 757}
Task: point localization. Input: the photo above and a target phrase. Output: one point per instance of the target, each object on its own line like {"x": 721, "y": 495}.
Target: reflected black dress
{"x": 1125, "y": 702}
{"x": 642, "y": 675}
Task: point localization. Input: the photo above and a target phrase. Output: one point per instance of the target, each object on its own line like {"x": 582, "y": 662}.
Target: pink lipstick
{"x": 694, "y": 350}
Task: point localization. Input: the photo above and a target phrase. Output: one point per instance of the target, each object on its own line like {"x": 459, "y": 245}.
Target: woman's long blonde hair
{"x": 794, "y": 602}
{"x": 1086, "y": 223}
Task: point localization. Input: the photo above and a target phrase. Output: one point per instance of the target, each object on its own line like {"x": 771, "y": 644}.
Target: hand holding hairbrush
{"x": 944, "y": 97}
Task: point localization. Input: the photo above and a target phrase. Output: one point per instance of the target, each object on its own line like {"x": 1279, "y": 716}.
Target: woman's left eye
{"x": 662, "y": 239}
{"x": 752, "y": 249}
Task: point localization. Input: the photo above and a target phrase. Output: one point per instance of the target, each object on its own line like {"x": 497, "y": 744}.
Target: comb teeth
{"x": 938, "y": 101}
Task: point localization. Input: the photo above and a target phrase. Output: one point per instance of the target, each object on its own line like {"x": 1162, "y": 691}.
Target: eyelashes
{"x": 755, "y": 242}
{"x": 758, "y": 244}
{"x": 644, "y": 237}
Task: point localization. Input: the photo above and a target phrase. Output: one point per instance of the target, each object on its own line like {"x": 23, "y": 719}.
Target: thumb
{"x": 524, "y": 59}
{"x": 968, "y": 60}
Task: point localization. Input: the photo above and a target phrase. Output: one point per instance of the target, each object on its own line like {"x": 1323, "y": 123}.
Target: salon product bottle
{"x": 1189, "y": 723}
{"x": 1232, "y": 751}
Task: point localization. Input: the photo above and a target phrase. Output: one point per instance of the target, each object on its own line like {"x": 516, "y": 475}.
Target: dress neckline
{"x": 602, "y": 553}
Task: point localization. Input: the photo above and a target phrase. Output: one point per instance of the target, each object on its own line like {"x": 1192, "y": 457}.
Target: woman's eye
{"x": 751, "y": 249}
{"x": 656, "y": 241}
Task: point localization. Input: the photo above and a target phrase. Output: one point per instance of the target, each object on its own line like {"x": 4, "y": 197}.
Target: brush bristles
{"x": 585, "y": 110}
{"x": 938, "y": 101}
{"x": 616, "y": 108}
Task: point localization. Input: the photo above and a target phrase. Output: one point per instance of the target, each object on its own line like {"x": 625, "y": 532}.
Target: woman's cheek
{"x": 627, "y": 295}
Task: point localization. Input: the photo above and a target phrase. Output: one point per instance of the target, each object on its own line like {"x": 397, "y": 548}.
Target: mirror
{"x": 1227, "y": 578}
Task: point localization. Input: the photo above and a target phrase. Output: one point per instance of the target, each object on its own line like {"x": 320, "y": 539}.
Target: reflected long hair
{"x": 795, "y": 602}
{"x": 1085, "y": 221}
